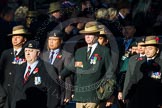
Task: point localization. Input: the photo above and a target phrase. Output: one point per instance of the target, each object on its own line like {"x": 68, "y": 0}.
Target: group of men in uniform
{"x": 143, "y": 83}
{"x": 25, "y": 76}
{"x": 31, "y": 78}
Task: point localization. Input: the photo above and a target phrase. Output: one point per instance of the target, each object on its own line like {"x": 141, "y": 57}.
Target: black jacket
{"x": 43, "y": 95}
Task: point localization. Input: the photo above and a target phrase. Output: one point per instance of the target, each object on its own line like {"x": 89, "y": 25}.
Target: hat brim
{"x": 103, "y": 35}
{"x": 89, "y": 32}
{"x": 149, "y": 44}
{"x": 21, "y": 34}
{"x": 52, "y": 11}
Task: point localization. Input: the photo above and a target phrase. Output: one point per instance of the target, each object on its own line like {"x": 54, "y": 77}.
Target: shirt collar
{"x": 122, "y": 16}
{"x": 152, "y": 58}
{"x": 142, "y": 55}
{"x": 94, "y": 45}
{"x": 93, "y": 48}
{"x": 18, "y": 50}
{"x": 56, "y": 50}
{"x": 33, "y": 65}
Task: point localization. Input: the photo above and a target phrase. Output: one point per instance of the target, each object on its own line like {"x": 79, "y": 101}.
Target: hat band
{"x": 93, "y": 28}
{"x": 20, "y": 31}
{"x": 151, "y": 42}
{"x": 102, "y": 32}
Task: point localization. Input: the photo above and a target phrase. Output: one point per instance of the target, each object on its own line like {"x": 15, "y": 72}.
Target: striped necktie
{"x": 27, "y": 74}
{"x": 89, "y": 52}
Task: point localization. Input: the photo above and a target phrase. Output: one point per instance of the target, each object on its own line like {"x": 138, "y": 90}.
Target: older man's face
{"x": 31, "y": 55}
{"x": 151, "y": 51}
{"x": 90, "y": 39}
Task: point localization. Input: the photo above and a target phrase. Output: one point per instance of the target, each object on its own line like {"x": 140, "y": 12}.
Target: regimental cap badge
{"x": 54, "y": 34}
{"x": 30, "y": 45}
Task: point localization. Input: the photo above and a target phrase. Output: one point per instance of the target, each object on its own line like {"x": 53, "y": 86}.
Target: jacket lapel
{"x": 45, "y": 56}
{"x": 21, "y": 54}
{"x": 96, "y": 50}
{"x": 57, "y": 59}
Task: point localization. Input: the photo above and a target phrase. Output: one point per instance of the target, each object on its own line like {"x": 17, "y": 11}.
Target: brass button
{"x": 10, "y": 73}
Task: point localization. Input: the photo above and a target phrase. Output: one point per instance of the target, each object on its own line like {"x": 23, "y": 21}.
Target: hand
{"x": 78, "y": 64}
{"x": 110, "y": 101}
{"x": 120, "y": 95}
{"x": 108, "y": 104}
{"x": 66, "y": 100}
{"x": 126, "y": 101}
{"x": 80, "y": 25}
{"x": 72, "y": 96}
{"x": 2, "y": 101}
{"x": 59, "y": 77}
{"x": 68, "y": 29}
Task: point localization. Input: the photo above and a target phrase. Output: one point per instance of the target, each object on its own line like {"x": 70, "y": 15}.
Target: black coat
{"x": 146, "y": 90}
{"x": 7, "y": 74}
{"x": 130, "y": 71}
{"x": 44, "y": 95}
{"x": 2, "y": 97}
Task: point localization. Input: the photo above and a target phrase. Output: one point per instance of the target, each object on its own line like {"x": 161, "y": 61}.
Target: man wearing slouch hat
{"x": 10, "y": 58}
{"x": 91, "y": 62}
{"x": 146, "y": 81}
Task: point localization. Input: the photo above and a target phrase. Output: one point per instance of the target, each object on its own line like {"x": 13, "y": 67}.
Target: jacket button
{"x": 10, "y": 73}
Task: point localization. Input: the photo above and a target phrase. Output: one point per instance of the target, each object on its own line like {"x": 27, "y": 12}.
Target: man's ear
{"x": 38, "y": 53}
{"x": 61, "y": 41}
{"x": 24, "y": 40}
{"x": 157, "y": 50}
{"x": 106, "y": 41}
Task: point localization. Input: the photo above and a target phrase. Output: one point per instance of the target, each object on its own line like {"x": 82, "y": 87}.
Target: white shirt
{"x": 55, "y": 54}
{"x": 32, "y": 66}
{"x": 151, "y": 58}
{"x": 93, "y": 48}
{"x": 18, "y": 50}
{"x": 142, "y": 55}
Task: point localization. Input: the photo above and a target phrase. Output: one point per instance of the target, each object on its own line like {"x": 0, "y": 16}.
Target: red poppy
{"x": 59, "y": 56}
{"x": 98, "y": 57}
{"x": 157, "y": 39}
{"x": 139, "y": 58}
{"x": 36, "y": 70}
{"x": 17, "y": 58}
